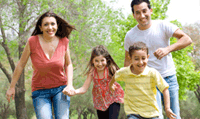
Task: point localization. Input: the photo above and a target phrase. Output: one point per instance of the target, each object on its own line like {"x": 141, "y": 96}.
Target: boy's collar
{"x": 145, "y": 72}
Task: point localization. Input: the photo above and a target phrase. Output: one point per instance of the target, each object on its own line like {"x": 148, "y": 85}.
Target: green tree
{"x": 188, "y": 78}
{"x": 193, "y": 30}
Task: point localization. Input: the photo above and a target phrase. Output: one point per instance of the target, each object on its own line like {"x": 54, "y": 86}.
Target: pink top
{"x": 102, "y": 96}
{"x": 48, "y": 73}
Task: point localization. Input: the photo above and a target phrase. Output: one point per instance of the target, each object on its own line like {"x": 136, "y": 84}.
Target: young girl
{"x": 100, "y": 70}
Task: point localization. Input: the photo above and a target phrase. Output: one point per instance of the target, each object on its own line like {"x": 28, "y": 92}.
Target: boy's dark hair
{"x": 137, "y": 2}
{"x": 137, "y": 46}
{"x": 64, "y": 28}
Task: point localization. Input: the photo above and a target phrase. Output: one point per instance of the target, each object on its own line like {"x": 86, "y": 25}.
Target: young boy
{"x": 140, "y": 86}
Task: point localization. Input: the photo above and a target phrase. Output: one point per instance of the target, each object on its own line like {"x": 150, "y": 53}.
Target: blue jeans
{"x": 137, "y": 116}
{"x": 45, "y": 99}
{"x": 174, "y": 96}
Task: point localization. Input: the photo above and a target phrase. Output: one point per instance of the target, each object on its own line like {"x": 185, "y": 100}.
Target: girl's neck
{"x": 101, "y": 73}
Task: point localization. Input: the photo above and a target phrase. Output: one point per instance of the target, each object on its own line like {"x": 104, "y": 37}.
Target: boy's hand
{"x": 170, "y": 114}
{"x": 112, "y": 87}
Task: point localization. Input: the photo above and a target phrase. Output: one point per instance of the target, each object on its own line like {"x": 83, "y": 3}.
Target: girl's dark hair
{"x": 137, "y": 2}
{"x": 64, "y": 28}
{"x": 137, "y": 46}
{"x": 101, "y": 50}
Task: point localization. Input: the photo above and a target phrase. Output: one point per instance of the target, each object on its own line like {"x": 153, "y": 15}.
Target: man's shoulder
{"x": 132, "y": 30}
{"x": 161, "y": 22}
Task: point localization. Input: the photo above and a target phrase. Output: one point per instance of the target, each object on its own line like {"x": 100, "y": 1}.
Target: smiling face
{"x": 142, "y": 14}
{"x": 99, "y": 62}
{"x": 49, "y": 26}
{"x": 139, "y": 61}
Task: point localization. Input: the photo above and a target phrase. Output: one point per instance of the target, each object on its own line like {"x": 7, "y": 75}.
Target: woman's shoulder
{"x": 63, "y": 39}
{"x": 33, "y": 38}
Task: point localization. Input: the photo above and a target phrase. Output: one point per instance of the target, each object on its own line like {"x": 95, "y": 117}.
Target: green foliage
{"x": 187, "y": 77}
{"x": 159, "y": 8}
{"x": 116, "y": 46}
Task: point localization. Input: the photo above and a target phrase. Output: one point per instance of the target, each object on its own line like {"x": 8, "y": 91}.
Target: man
{"x": 156, "y": 34}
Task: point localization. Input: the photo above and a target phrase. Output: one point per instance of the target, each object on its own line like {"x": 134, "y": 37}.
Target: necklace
{"x": 47, "y": 40}
{"x": 50, "y": 43}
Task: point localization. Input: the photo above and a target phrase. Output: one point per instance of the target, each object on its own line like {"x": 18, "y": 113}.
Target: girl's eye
{"x": 46, "y": 24}
{"x": 52, "y": 24}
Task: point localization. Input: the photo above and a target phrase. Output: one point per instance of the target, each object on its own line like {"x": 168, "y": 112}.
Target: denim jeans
{"x": 174, "y": 96}
{"x": 137, "y": 116}
{"x": 45, "y": 99}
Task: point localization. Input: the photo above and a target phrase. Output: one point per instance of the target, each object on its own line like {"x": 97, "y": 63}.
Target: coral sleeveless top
{"x": 48, "y": 73}
{"x": 102, "y": 96}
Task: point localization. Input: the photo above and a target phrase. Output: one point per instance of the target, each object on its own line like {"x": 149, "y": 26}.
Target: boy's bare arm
{"x": 168, "y": 111}
{"x": 127, "y": 59}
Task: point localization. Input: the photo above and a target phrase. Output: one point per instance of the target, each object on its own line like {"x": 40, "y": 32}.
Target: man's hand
{"x": 161, "y": 52}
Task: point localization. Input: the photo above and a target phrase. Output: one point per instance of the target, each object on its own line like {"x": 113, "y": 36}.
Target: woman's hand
{"x": 69, "y": 90}
{"x": 10, "y": 94}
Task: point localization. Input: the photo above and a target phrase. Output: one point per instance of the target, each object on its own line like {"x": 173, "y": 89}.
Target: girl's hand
{"x": 69, "y": 90}
{"x": 10, "y": 93}
{"x": 170, "y": 114}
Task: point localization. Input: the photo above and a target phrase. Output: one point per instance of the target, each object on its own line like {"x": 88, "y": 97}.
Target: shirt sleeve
{"x": 126, "y": 42}
{"x": 160, "y": 82}
{"x": 169, "y": 28}
{"x": 119, "y": 75}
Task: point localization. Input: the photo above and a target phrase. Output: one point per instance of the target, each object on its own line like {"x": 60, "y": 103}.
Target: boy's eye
{"x": 144, "y": 11}
{"x": 137, "y": 12}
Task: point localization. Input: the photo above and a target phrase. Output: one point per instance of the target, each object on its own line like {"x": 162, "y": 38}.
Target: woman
{"x": 48, "y": 49}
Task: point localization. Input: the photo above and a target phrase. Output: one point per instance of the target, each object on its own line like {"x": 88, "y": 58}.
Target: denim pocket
{"x": 66, "y": 99}
{"x": 35, "y": 94}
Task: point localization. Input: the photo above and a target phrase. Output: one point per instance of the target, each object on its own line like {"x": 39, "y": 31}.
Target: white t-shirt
{"x": 157, "y": 36}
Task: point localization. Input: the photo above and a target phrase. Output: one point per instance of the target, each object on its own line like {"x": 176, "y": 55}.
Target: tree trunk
{"x": 20, "y": 99}
{"x": 4, "y": 110}
{"x": 197, "y": 93}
